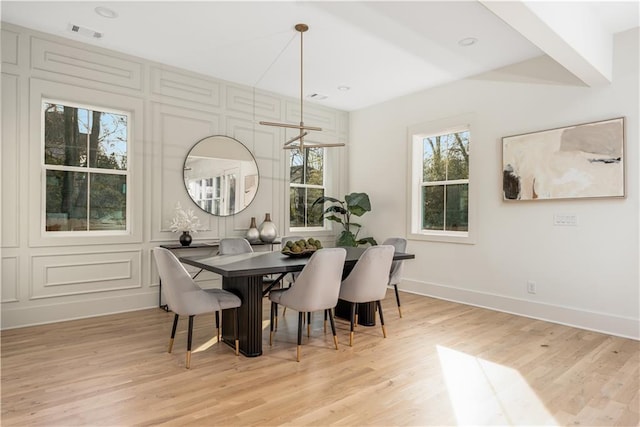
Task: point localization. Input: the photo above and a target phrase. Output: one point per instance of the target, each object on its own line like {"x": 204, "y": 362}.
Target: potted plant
{"x": 341, "y": 211}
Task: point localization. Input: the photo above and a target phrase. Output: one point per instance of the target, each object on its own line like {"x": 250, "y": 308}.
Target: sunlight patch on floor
{"x": 202, "y": 347}
{"x": 486, "y": 393}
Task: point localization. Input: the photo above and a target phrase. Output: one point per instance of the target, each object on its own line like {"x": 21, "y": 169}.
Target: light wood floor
{"x": 442, "y": 364}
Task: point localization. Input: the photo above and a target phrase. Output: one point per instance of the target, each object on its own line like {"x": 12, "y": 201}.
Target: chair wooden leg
{"x": 189, "y": 337}
{"x": 384, "y": 330}
{"x": 300, "y": 320}
{"x": 353, "y": 318}
{"x": 173, "y": 332}
{"x": 333, "y": 326}
{"x": 308, "y": 324}
{"x": 235, "y": 330}
{"x": 398, "y": 300}
{"x": 274, "y": 308}
{"x": 218, "y": 325}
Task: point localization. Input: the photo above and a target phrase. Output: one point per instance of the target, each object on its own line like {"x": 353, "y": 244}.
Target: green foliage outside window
{"x": 445, "y": 186}
{"x": 306, "y": 185}
{"x": 85, "y": 158}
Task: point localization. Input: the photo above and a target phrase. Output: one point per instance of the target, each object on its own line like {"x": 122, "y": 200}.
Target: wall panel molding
{"x": 10, "y": 280}
{"x": 10, "y": 160}
{"x": 84, "y": 273}
{"x": 85, "y": 64}
{"x": 259, "y": 105}
{"x": 10, "y": 47}
{"x": 186, "y": 87}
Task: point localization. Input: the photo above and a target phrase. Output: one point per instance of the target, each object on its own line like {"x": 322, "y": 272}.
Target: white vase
{"x": 268, "y": 230}
{"x": 253, "y": 235}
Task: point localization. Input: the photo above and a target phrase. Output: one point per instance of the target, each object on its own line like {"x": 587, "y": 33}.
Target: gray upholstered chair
{"x": 234, "y": 246}
{"x": 315, "y": 289}
{"x": 291, "y": 277}
{"x": 367, "y": 282}
{"x": 395, "y": 276}
{"x": 185, "y": 298}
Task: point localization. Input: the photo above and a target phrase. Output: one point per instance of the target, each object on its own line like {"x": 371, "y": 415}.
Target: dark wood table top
{"x": 263, "y": 263}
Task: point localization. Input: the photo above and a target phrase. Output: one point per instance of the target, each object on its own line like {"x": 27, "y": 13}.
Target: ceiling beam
{"x": 569, "y": 32}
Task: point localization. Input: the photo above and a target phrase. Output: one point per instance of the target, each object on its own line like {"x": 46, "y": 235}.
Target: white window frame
{"x": 40, "y": 90}
{"x": 45, "y": 167}
{"x": 295, "y": 185}
{"x": 415, "y": 136}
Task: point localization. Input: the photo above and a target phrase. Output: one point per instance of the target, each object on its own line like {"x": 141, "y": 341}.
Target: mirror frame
{"x": 225, "y": 138}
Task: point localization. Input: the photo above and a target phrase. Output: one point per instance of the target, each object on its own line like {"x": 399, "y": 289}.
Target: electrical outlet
{"x": 531, "y": 286}
{"x": 565, "y": 220}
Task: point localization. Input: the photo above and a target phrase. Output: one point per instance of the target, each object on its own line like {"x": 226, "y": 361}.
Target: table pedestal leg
{"x": 249, "y": 289}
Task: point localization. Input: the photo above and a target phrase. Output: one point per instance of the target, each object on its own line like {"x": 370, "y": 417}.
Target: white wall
{"x": 45, "y": 279}
{"x": 587, "y": 275}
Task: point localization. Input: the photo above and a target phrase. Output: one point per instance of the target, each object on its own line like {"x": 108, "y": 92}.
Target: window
{"x": 440, "y": 183}
{"x": 85, "y": 167}
{"x": 306, "y": 184}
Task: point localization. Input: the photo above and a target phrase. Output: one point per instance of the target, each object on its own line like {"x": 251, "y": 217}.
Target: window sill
{"x": 444, "y": 237}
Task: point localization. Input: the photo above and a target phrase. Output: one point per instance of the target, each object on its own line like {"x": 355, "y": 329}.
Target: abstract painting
{"x": 585, "y": 160}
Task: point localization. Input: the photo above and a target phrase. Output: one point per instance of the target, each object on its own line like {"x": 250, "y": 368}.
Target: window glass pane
{"x": 296, "y": 167}
{"x": 457, "y": 207}
{"x": 64, "y": 144}
{"x": 314, "y": 216}
{"x": 434, "y": 158}
{"x": 458, "y": 155}
{"x": 108, "y": 205}
{"x": 433, "y": 207}
{"x": 66, "y": 201}
{"x": 314, "y": 163}
{"x": 108, "y": 140}
{"x": 296, "y": 206}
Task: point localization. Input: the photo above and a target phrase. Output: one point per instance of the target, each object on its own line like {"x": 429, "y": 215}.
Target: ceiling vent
{"x": 317, "y": 96}
{"x": 84, "y": 31}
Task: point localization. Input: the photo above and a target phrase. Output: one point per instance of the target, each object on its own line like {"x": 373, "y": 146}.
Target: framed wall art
{"x": 581, "y": 161}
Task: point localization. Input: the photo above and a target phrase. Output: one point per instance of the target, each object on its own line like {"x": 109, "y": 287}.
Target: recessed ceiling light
{"x": 468, "y": 41}
{"x": 106, "y": 12}
{"x": 344, "y": 88}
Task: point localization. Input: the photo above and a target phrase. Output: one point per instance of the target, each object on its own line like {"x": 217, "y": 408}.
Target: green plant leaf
{"x": 369, "y": 240}
{"x": 355, "y": 224}
{"x": 321, "y": 200}
{"x": 346, "y": 238}
{"x": 338, "y": 209}
{"x": 334, "y": 218}
{"x": 358, "y": 203}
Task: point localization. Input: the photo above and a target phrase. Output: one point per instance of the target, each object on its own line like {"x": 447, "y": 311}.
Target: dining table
{"x": 243, "y": 274}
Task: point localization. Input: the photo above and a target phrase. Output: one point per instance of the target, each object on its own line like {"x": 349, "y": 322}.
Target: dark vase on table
{"x": 185, "y": 238}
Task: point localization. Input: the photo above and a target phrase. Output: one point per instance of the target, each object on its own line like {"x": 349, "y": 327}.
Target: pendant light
{"x": 297, "y": 142}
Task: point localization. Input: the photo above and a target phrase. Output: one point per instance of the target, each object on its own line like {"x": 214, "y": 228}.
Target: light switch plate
{"x": 565, "y": 220}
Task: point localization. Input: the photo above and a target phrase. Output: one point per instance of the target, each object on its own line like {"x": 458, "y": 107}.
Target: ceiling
{"x": 378, "y": 49}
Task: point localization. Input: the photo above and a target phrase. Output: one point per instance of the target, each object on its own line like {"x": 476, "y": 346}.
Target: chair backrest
{"x": 369, "y": 278}
{"x": 179, "y": 289}
{"x": 234, "y": 246}
{"x": 400, "y": 245}
{"x": 318, "y": 285}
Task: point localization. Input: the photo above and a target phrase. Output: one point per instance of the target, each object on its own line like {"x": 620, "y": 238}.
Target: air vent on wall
{"x": 87, "y": 32}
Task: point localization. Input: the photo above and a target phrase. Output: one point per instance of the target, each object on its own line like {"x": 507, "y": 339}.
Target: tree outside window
{"x": 306, "y": 184}
{"x": 85, "y": 162}
{"x": 445, "y": 182}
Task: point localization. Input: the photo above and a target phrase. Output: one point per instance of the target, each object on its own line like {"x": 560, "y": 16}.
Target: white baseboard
{"x": 50, "y": 313}
{"x": 625, "y": 327}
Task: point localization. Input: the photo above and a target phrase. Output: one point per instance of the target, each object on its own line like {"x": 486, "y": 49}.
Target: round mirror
{"x": 221, "y": 175}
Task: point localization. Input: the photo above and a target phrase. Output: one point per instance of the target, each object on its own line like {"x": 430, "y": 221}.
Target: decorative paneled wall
{"x": 48, "y": 278}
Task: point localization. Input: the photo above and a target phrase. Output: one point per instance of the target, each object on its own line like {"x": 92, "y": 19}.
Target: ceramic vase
{"x": 268, "y": 230}
{"x": 253, "y": 235}
{"x": 185, "y": 238}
